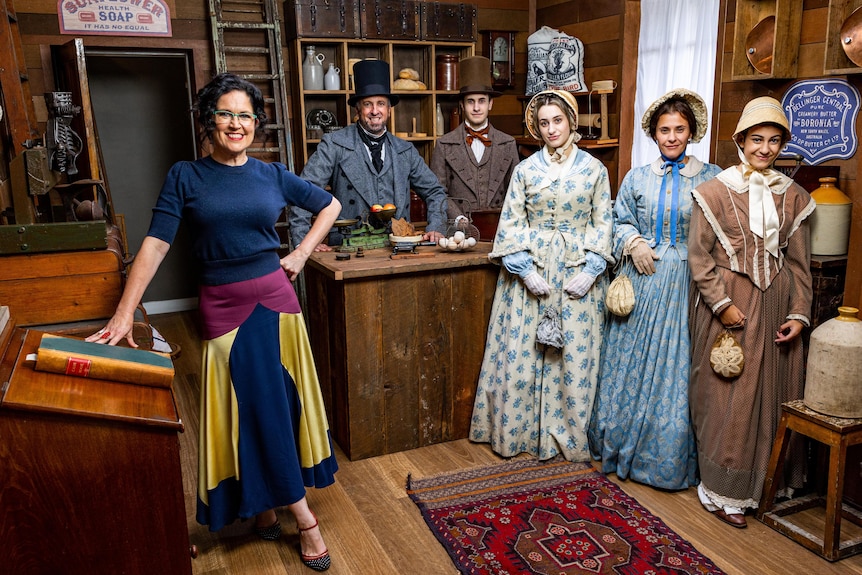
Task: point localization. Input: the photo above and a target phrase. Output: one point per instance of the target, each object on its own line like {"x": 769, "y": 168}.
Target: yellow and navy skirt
{"x": 264, "y": 436}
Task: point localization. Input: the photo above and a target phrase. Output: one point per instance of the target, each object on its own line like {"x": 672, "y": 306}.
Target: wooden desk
{"x": 89, "y": 473}
{"x": 398, "y": 344}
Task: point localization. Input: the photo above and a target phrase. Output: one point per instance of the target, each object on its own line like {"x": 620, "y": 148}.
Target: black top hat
{"x": 475, "y": 77}
{"x": 371, "y": 78}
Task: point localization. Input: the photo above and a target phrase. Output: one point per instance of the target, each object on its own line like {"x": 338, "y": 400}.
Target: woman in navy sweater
{"x": 263, "y": 430}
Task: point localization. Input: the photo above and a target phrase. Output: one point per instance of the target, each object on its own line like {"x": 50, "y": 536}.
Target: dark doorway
{"x": 141, "y": 103}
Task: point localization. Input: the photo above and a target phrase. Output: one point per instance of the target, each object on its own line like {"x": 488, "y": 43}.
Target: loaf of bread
{"x": 408, "y": 74}
{"x": 405, "y": 84}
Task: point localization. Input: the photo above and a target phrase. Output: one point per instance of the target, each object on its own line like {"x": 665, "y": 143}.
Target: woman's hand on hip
{"x": 292, "y": 264}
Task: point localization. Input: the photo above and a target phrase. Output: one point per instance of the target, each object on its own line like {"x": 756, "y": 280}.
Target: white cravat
{"x": 762, "y": 215}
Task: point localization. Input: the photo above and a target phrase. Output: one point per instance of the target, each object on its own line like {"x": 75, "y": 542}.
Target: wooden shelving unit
{"x": 836, "y": 60}
{"x": 780, "y": 18}
{"x": 418, "y": 104}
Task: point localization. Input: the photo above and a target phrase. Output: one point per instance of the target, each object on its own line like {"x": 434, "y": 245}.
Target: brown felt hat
{"x": 475, "y": 76}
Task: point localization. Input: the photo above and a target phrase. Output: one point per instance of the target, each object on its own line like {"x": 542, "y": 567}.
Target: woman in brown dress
{"x": 749, "y": 254}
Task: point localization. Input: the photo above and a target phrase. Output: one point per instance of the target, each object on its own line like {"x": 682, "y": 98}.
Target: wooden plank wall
{"x": 512, "y": 15}
{"x": 599, "y": 25}
{"x": 733, "y": 95}
{"x": 190, "y": 25}
{"x": 40, "y": 29}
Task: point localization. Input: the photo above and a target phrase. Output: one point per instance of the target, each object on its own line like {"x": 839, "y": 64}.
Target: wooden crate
{"x": 449, "y": 22}
{"x": 323, "y": 19}
{"x": 61, "y": 287}
{"x": 386, "y": 20}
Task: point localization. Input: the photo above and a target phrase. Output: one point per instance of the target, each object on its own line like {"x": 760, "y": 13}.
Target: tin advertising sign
{"x": 822, "y": 115}
{"x": 114, "y": 17}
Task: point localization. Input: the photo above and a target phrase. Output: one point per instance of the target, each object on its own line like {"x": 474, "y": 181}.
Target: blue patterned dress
{"x": 640, "y": 427}
{"x": 532, "y": 398}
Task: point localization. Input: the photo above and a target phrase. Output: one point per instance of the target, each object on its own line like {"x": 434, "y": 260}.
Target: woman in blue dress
{"x": 263, "y": 430}
{"x": 536, "y": 387}
{"x": 640, "y": 426}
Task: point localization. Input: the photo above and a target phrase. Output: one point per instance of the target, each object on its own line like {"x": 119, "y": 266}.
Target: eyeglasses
{"x": 225, "y": 116}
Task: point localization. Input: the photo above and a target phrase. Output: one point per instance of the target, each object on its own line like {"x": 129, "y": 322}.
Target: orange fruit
{"x": 376, "y": 208}
{"x": 389, "y": 207}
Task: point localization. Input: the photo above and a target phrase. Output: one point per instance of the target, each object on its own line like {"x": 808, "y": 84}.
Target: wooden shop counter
{"x": 89, "y": 472}
{"x": 398, "y": 344}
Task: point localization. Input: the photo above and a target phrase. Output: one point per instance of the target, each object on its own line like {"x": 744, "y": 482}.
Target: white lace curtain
{"x": 678, "y": 43}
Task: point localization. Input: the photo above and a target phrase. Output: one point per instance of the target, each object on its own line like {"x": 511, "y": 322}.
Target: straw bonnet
{"x": 695, "y": 102}
{"x": 475, "y": 77}
{"x": 763, "y": 110}
{"x": 529, "y": 113}
{"x": 371, "y": 78}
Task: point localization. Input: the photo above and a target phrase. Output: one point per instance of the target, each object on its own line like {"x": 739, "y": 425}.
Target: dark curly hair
{"x": 669, "y": 106}
{"x": 208, "y": 96}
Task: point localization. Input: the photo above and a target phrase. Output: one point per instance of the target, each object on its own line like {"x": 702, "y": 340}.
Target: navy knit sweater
{"x": 231, "y": 212}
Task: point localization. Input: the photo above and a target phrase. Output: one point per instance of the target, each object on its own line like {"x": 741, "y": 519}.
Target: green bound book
{"x": 81, "y": 358}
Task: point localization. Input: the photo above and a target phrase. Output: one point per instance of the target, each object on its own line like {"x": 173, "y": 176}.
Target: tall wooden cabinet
{"x": 317, "y": 111}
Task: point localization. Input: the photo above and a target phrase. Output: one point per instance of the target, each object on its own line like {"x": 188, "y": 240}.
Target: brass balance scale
{"x": 372, "y": 233}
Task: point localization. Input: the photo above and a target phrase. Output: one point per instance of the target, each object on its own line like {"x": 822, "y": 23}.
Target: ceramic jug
{"x": 332, "y": 79}
{"x": 832, "y": 383}
{"x": 440, "y": 127}
{"x": 830, "y": 222}
{"x": 312, "y": 69}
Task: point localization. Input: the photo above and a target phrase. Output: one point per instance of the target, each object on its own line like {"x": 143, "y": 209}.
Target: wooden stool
{"x": 836, "y": 433}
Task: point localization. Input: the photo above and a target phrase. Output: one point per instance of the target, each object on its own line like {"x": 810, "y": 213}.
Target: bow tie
{"x": 481, "y": 135}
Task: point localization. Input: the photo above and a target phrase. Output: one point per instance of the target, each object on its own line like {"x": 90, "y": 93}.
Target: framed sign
{"x": 822, "y": 115}
{"x": 499, "y": 47}
{"x": 114, "y": 18}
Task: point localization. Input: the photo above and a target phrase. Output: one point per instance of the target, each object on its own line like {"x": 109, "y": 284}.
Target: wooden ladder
{"x": 247, "y": 42}
{"x": 18, "y": 108}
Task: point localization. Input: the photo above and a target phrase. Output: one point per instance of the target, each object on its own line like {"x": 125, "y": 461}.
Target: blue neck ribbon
{"x": 675, "y": 166}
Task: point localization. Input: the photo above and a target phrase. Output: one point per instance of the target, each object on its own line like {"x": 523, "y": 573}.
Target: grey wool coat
{"x": 454, "y": 164}
{"x": 342, "y": 162}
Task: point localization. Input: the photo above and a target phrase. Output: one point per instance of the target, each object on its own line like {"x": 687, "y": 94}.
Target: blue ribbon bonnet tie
{"x": 675, "y": 166}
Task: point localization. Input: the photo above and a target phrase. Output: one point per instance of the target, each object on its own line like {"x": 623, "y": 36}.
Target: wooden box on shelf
{"x": 766, "y": 39}
{"x": 842, "y": 36}
{"x": 382, "y": 19}
{"x": 414, "y": 104}
{"x": 444, "y": 21}
{"x": 322, "y": 19}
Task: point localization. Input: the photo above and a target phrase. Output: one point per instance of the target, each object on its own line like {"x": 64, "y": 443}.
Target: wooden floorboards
{"x": 372, "y": 527}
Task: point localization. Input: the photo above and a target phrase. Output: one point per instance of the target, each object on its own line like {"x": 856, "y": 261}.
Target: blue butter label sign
{"x": 822, "y": 115}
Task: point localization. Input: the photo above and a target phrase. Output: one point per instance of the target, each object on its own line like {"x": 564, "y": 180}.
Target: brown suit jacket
{"x": 453, "y": 163}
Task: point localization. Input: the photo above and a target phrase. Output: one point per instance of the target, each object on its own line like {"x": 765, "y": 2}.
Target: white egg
{"x": 443, "y": 242}
{"x": 470, "y": 242}
{"x": 454, "y": 246}
{"x": 459, "y": 236}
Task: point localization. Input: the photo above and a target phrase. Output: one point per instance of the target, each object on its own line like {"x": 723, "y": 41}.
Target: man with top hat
{"x": 363, "y": 164}
{"x": 474, "y": 162}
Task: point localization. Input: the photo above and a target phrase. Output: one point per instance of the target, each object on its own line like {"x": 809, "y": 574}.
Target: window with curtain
{"x": 677, "y": 49}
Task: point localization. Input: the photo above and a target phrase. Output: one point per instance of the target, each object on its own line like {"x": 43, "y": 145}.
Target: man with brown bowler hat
{"x": 364, "y": 164}
{"x": 474, "y": 162}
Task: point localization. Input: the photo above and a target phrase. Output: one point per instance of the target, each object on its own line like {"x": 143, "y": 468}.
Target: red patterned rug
{"x": 548, "y": 518}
